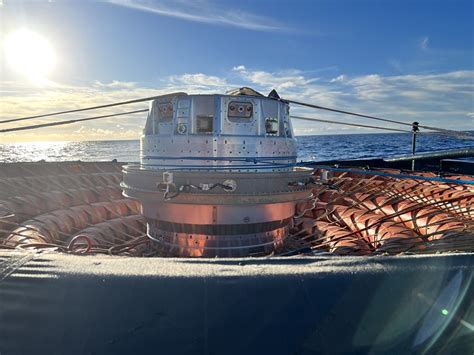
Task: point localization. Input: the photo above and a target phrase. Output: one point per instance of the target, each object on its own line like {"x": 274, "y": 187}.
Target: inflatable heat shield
{"x": 217, "y": 175}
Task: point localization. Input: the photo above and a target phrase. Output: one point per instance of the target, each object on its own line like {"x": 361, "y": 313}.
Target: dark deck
{"x": 61, "y": 304}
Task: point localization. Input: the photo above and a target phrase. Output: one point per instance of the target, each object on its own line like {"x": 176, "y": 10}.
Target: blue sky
{"x": 408, "y": 60}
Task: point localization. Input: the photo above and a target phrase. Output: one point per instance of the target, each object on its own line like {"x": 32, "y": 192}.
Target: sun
{"x": 29, "y": 54}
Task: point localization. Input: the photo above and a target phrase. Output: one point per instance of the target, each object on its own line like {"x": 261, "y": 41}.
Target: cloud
{"x": 239, "y": 68}
{"x": 281, "y": 80}
{"x": 115, "y": 84}
{"x": 438, "y": 99}
{"x": 424, "y": 43}
{"x": 340, "y": 78}
{"x": 432, "y": 88}
{"x": 198, "y": 80}
{"x": 20, "y": 100}
{"x": 204, "y": 12}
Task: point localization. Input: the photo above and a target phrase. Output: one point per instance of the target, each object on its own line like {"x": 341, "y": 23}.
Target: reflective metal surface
{"x": 206, "y": 245}
{"x": 217, "y": 174}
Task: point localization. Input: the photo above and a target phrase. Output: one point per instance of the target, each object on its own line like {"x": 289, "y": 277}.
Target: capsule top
{"x": 243, "y": 130}
{"x": 248, "y": 114}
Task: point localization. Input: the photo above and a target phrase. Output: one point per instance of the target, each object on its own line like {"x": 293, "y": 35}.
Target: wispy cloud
{"x": 198, "y": 80}
{"x": 424, "y": 43}
{"x": 339, "y": 78}
{"x": 203, "y": 11}
{"x": 425, "y": 56}
{"x": 277, "y": 80}
{"x": 115, "y": 84}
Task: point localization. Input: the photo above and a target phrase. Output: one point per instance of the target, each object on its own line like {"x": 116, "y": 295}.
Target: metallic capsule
{"x": 216, "y": 176}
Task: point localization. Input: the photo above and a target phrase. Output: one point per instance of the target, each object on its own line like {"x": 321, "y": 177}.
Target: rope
{"x": 399, "y": 176}
{"x": 446, "y": 131}
{"x": 59, "y": 123}
{"x": 349, "y": 124}
{"x": 92, "y": 107}
{"x": 373, "y": 117}
{"x": 449, "y": 134}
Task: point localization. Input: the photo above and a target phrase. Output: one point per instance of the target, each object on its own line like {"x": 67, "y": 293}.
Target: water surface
{"x": 309, "y": 148}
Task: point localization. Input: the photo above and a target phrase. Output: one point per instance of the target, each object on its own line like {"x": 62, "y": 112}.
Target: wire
{"x": 346, "y": 112}
{"x": 447, "y": 131}
{"x": 375, "y": 118}
{"x": 350, "y": 124}
{"x": 461, "y": 135}
{"x": 59, "y": 123}
{"x": 187, "y": 187}
{"x": 382, "y": 173}
{"x": 92, "y": 107}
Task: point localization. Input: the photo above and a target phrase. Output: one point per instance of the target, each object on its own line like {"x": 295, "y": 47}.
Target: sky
{"x": 408, "y": 60}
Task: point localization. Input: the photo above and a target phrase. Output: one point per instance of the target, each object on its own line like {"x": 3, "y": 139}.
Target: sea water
{"x": 314, "y": 148}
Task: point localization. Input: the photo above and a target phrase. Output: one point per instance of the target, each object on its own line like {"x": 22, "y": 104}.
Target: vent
{"x": 204, "y": 124}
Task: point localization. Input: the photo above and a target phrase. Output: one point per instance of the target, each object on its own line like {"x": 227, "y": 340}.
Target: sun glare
{"x": 29, "y": 54}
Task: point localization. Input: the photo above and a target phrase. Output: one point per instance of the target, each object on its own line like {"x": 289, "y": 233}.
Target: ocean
{"x": 314, "y": 148}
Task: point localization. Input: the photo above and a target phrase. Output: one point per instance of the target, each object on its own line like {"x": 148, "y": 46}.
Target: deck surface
{"x": 56, "y": 304}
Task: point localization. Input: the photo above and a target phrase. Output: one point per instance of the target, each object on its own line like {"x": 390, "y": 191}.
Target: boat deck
{"x": 53, "y": 303}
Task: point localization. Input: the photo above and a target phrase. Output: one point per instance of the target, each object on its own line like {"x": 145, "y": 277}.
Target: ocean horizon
{"x": 310, "y": 148}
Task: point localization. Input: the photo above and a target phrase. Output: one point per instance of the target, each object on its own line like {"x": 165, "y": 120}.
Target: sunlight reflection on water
{"x": 63, "y": 151}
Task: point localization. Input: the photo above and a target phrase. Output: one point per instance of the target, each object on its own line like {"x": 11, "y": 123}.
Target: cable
{"x": 450, "y": 134}
{"x": 447, "y": 131}
{"x": 230, "y": 186}
{"x": 59, "y": 123}
{"x": 375, "y": 118}
{"x": 346, "y": 112}
{"x": 382, "y": 173}
{"x": 350, "y": 124}
{"x": 92, "y": 107}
